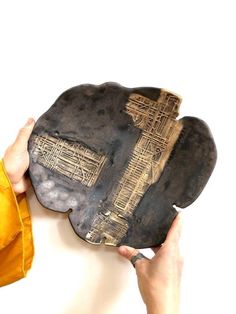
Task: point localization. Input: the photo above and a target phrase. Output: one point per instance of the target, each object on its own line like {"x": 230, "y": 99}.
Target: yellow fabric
{"x": 16, "y": 242}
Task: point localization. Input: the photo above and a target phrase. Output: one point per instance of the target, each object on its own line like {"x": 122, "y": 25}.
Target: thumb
{"x": 21, "y": 141}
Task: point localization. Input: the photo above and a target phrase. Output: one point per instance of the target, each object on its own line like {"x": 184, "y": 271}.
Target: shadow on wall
{"x": 105, "y": 273}
{"x": 100, "y": 294}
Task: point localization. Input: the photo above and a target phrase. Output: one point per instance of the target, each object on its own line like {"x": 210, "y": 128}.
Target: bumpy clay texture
{"x": 116, "y": 161}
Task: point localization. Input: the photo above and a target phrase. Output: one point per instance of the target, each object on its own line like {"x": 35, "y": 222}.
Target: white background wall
{"x": 185, "y": 46}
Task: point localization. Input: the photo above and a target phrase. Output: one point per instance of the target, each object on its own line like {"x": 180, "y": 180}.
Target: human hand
{"x": 16, "y": 159}
{"x": 159, "y": 278}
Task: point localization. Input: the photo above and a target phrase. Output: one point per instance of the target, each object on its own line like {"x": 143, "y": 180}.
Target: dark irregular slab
{"x": 117, "y": 161}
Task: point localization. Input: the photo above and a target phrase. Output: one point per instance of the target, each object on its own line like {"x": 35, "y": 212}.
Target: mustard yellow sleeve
{"x": 16, "y": 241}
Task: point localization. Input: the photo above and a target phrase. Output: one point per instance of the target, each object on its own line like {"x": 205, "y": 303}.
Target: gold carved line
{"x": 159, "y": 133}
{"x": 74, "y": 161}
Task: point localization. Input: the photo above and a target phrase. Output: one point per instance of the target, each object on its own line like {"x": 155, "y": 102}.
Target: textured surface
{"x": 81, "y": 150}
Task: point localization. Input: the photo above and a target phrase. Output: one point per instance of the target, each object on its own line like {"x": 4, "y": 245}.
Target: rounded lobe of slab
{"x": 185, "y": 175}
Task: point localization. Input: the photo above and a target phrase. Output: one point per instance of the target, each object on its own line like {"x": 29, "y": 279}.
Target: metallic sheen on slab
{"x": 117, "y": 160}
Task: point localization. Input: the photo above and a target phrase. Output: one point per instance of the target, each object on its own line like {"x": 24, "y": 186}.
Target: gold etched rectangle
{"x": 72, "y": 160}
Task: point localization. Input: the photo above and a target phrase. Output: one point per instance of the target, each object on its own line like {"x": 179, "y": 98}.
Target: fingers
{"x": 172, "y": 237}
{"x": 175, "y": 230}
{"x": 21, "y": 186}
{"x": 21, "y": 141}
{"x": 127, "y": 252}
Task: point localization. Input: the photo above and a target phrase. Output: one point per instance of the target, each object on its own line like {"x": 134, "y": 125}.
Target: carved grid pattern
{"x": 74, "y": 161}
{"x": 157, "y": 121}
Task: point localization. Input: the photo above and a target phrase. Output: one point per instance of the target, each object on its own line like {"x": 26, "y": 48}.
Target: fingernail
{"x": 29, "y": 122}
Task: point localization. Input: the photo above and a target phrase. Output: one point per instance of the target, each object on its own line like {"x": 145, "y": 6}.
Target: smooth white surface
{"x": 185, "y": 46}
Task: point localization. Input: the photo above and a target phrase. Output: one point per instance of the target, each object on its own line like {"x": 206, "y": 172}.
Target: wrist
{"x": 162, "y": 309}
{"x": 163, "y": 304}
{"x": 153, "y": 310}
{"x": 7, "y": 171}
{"x": 18, "y": 186}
